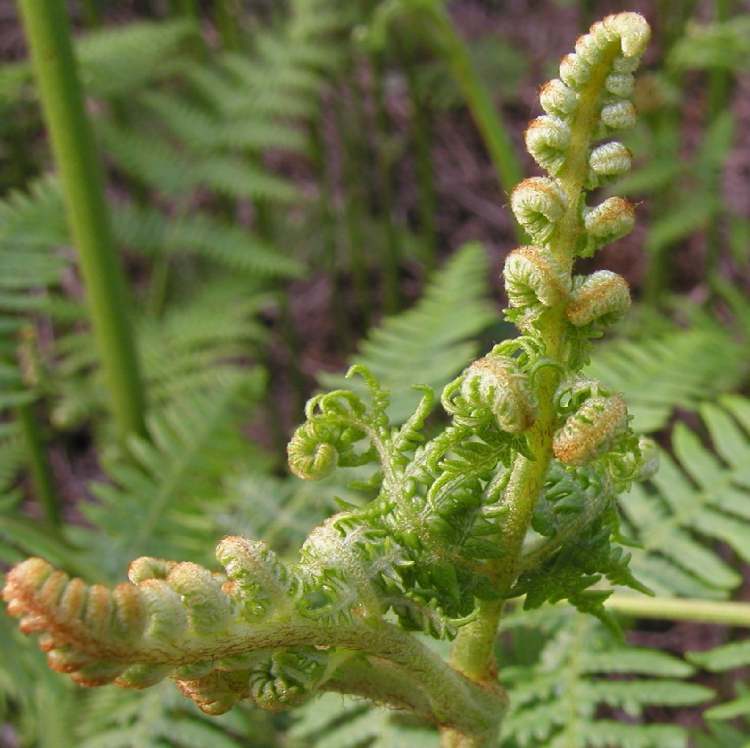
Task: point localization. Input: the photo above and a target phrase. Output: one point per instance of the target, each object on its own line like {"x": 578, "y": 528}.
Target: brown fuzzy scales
{"x": 591, "y": 430}
{"x": 602, "y": 294}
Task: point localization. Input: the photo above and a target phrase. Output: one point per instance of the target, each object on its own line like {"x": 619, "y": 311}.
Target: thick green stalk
{"x": 677, "y": 609}
{"x": 48, "y": 32}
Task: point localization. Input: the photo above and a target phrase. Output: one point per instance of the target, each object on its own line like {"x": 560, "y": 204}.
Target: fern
{"x": 195, "y": 346}
{"x": 163, "y": 492}
{"x": 558, "y": 700}
{"x": 114, "y": 61}
{"x": 336, "y": 722}
{"x": 161, "y": 719}
{"x": 44, "y": 706}
{"x": 714, "y": 45}
{"x": 720, "y": 660}
{"x": 434, "y": 338}
{"x": 696, "y": 498}
{"x": 667, "y": 367}
{"x": 202, "y": 129}
{"x": 688, "y": 183}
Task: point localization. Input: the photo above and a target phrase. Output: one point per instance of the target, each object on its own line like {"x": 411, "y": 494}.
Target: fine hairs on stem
{"x": 516, "y": 496}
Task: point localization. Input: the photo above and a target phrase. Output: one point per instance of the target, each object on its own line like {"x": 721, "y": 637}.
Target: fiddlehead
{"x": 516, "y": 495}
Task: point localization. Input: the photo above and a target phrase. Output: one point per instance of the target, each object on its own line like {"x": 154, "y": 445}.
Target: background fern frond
{"x": 165, "y": 491}
{"x": 432, "y": 341}
{"x": 333, "y": 721}
{"x": 667, "y": 367}
{"x": 696, "y": 499}
{"x": 558, "y": 700}
{"x": 116, "y": 60}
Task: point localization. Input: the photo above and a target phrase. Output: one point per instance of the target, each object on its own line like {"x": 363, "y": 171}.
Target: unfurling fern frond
{"x": 516, "y": 493}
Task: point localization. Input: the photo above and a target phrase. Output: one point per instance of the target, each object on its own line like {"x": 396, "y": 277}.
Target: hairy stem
{"x": 48, "y": 31}
{"x": 473, "y": 652}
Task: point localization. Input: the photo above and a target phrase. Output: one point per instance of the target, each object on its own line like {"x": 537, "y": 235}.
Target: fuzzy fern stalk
{"x": 515, "y": 497}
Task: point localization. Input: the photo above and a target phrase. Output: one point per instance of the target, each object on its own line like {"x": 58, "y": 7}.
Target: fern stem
{"x": 225, "y": 18}
{"x": 680, "y": 609}
{"x": 48, "y": 30}
{"x": 421, "y": 133}
{"x": 474, "y": 644}
{"x": 385, "y": 173}
{"x": 353, "y": 215}
{"x": 38, "y": 462}
{"x": 488, "y": 120}
{"x": 718, "y": 93}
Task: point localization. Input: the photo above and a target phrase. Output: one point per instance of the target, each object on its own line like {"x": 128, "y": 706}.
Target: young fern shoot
{"x": 515, "y": 496}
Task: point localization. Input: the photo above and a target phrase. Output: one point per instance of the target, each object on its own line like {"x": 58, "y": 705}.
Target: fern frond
{"x": 152, "y": 233}
{"x": 202, "y": 130}
{"x": 167, "y": 169}
{"x": 669, "y": 367}
{"x": 695, "y": 499}
{"x": 557, "y": 701}
{"x": 39, "y": 708}
{"x": 722, "y": 45}
{"x": 434, "y": 338}
{"x": 116, "y": 60}
{"x": 160, "y": 718}
{"x": 335, "y": 722}
{"x": 196, "y": 346}
{"x": 164, "y": 491}
{"x": 722, "y": 659}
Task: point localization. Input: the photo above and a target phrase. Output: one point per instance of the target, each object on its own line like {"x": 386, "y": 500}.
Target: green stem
{"x": 719, "y": 85}
{"x": 676, "y": 609}
{"x": 187, "y": 8}
{"x": 473, "y": 651}
{"x": 353, "y": 214}
{"x": 393, "y": 251}
{"x": 421, "y": 133}
{"x": 38, "y": 462}
{"x": 488, "y": 120}
{"x": 227, "y": 23}
{"x": 48, "y": 32}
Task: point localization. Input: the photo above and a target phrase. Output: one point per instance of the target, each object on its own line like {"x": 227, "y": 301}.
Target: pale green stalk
{"x": 48, "y": 32}
{"x": 473, "y": 653}
{"x": 680, "y": 609}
